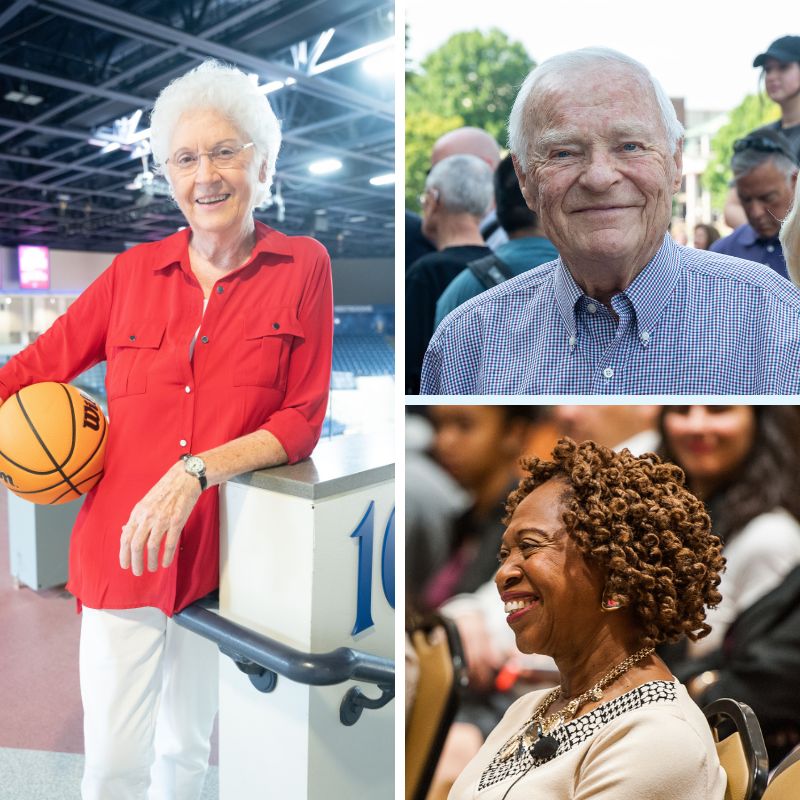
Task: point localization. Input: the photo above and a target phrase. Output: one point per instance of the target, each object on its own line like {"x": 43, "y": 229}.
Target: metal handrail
{"x": 263, "y": 659}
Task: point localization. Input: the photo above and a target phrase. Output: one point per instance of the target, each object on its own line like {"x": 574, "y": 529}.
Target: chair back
{"x": 740, "y": 747}
{"x": 785, "y": 782}
{"x": 441, "y": 673}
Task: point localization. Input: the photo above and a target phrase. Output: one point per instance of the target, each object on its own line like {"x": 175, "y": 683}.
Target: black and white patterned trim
{"x": 579, "y": 730}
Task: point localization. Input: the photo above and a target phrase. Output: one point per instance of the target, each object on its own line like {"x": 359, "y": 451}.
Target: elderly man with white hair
{"x": 458, "y": 192}
{"x": 623, "y": 310}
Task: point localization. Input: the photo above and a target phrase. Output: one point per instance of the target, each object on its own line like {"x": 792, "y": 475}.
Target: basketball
{"x": 52, "y": 443}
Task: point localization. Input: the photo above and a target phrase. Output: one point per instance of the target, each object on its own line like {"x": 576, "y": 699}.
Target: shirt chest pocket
{"x": 264, "y": 350}
{"x": 131, "y": 353}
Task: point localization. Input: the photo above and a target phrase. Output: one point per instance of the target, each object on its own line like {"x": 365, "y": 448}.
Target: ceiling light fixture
{"x": 382, "y": 180}
{"x": 325, "y": 166}
{"x": 23, "y": 96}
{"x": 353, "y": 55}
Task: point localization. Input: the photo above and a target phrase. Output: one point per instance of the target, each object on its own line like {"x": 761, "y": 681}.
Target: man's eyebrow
{"x": 552, "y": 138}
{"x": 567, "y": 136}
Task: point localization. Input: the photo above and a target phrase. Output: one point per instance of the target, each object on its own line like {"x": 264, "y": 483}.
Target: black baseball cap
{"x": 787, "y": 49}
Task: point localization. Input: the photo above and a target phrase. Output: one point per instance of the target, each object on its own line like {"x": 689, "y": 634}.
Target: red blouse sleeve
{"x": 73, "y": 343}
{"x": 298, "y": 422}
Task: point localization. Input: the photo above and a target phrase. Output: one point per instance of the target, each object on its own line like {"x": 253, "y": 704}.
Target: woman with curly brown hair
{"x": 605, "y": 556}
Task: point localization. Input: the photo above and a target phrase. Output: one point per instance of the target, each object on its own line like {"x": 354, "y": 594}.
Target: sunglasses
{"x": 763, "y": 145}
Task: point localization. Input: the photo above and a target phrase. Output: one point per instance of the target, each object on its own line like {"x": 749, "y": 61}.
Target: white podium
{"x": 307, "y": 558}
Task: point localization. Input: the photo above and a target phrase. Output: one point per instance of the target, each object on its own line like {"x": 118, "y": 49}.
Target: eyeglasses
{"x": 223, "y": 156}
{"x": 763, "y": 145}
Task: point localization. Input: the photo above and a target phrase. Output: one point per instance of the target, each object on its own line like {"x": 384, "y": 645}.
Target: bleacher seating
{"x": 362, "y": 355}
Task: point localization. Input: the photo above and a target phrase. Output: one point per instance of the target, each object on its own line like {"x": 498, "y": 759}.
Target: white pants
{"x": 149, "y": 690}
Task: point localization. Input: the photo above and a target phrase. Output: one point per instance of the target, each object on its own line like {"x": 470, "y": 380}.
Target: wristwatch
{"x": 195, "y": 465}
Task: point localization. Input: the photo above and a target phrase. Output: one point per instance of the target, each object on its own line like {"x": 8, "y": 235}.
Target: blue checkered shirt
{"x": 691, "y": 322}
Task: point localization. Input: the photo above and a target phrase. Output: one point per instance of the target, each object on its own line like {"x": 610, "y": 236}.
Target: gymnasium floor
{"x": 41, "y": 737}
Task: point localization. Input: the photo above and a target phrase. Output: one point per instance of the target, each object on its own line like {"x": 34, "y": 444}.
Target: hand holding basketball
{"x": 160, "y": 514}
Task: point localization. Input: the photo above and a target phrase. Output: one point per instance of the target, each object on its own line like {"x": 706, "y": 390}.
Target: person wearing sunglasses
{"x": 218, "y": 341}
{"x": 765, "y": 172}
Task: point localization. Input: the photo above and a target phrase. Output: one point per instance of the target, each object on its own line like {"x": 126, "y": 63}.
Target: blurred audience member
{"x": 458, "y": 190}
{"x": 781, "y": 73}
{"x": 417, "y": 245}
{"x": 527, "y": 246}
{"x": 433, "y": 501}
{"x": 634, "y": 427}
{"x": 480, "y": 143}
{"x": 705, "y": 236}
{"x": 781, "y": 64}
{"x": 790, "y": 238}
{"x": 480, "y": 447}
{"x": 765, "y": 172}
{"x": 744, "y": 463}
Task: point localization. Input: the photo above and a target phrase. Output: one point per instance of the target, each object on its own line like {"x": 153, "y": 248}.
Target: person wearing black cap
{"x": 781, "y": 65}
{"x": 765, "y": 172}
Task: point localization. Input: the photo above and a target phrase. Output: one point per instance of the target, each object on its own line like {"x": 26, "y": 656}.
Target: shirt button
{"x": 591, "y": 308}
{"x": 608, "y": 372}
{"x": 204, "y": 339}
{"x": 644, "y": 336}
{"x": 182, "y": 442}
{"x": 187, "y": 389}
{"x": 770, "y": 248}
{"x": 276, "y": 325}
{"x": 220, "y": 289}
{"x": 132, "y": 338}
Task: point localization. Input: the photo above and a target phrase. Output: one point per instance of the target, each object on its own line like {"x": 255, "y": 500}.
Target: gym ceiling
{"x": 78, "y": 79}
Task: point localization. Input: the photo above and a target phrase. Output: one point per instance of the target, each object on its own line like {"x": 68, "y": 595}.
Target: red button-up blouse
{"x": 262, "y": 360}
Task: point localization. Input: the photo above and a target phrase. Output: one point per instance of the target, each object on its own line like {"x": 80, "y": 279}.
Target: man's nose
{"x": 600, "y": 171}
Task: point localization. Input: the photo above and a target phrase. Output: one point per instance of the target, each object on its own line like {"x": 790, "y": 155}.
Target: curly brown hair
{"x": 635, "y": 519}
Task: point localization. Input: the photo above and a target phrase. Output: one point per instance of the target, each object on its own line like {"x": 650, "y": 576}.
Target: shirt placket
{"x": 609, "y": 376}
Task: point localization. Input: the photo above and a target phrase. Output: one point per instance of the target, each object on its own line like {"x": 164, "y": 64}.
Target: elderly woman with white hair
{"x": 218, "y": 341}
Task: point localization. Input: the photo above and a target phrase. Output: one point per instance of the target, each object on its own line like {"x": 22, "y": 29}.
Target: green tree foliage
{"x": 472, "y": 79}
{"x": 753, "y": 112}
{"x": 423, "y": 128}
{"x": 474, "y": 75}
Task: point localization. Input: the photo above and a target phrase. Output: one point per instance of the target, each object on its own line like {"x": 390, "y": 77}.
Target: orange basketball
{"x": 52, "y": 443}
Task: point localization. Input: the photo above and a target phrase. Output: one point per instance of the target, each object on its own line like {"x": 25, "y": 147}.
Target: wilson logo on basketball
{"x": 91, "y": 414}
{"x": 52, "y": 443}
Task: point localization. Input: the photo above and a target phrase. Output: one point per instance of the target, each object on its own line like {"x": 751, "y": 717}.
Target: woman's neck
{"x": 790, "y": 112}
{"x": 224, "y": 251}
{"x": 583, "y": 668}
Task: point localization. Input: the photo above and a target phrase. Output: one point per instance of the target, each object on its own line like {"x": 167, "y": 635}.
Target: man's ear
{"x": 678, "y": 158}
{"x": 527, "y": 185}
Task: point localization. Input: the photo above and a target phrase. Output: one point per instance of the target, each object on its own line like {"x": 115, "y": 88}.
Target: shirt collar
{"x": 175, "y": 248}
{"x": 649, "y": 292}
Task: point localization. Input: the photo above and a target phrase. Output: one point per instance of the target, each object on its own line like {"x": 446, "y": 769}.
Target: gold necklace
{"x": 536, "y": 733}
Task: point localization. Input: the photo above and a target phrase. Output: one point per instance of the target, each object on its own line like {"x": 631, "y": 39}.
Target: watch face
{"x": 194, "y": 465}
